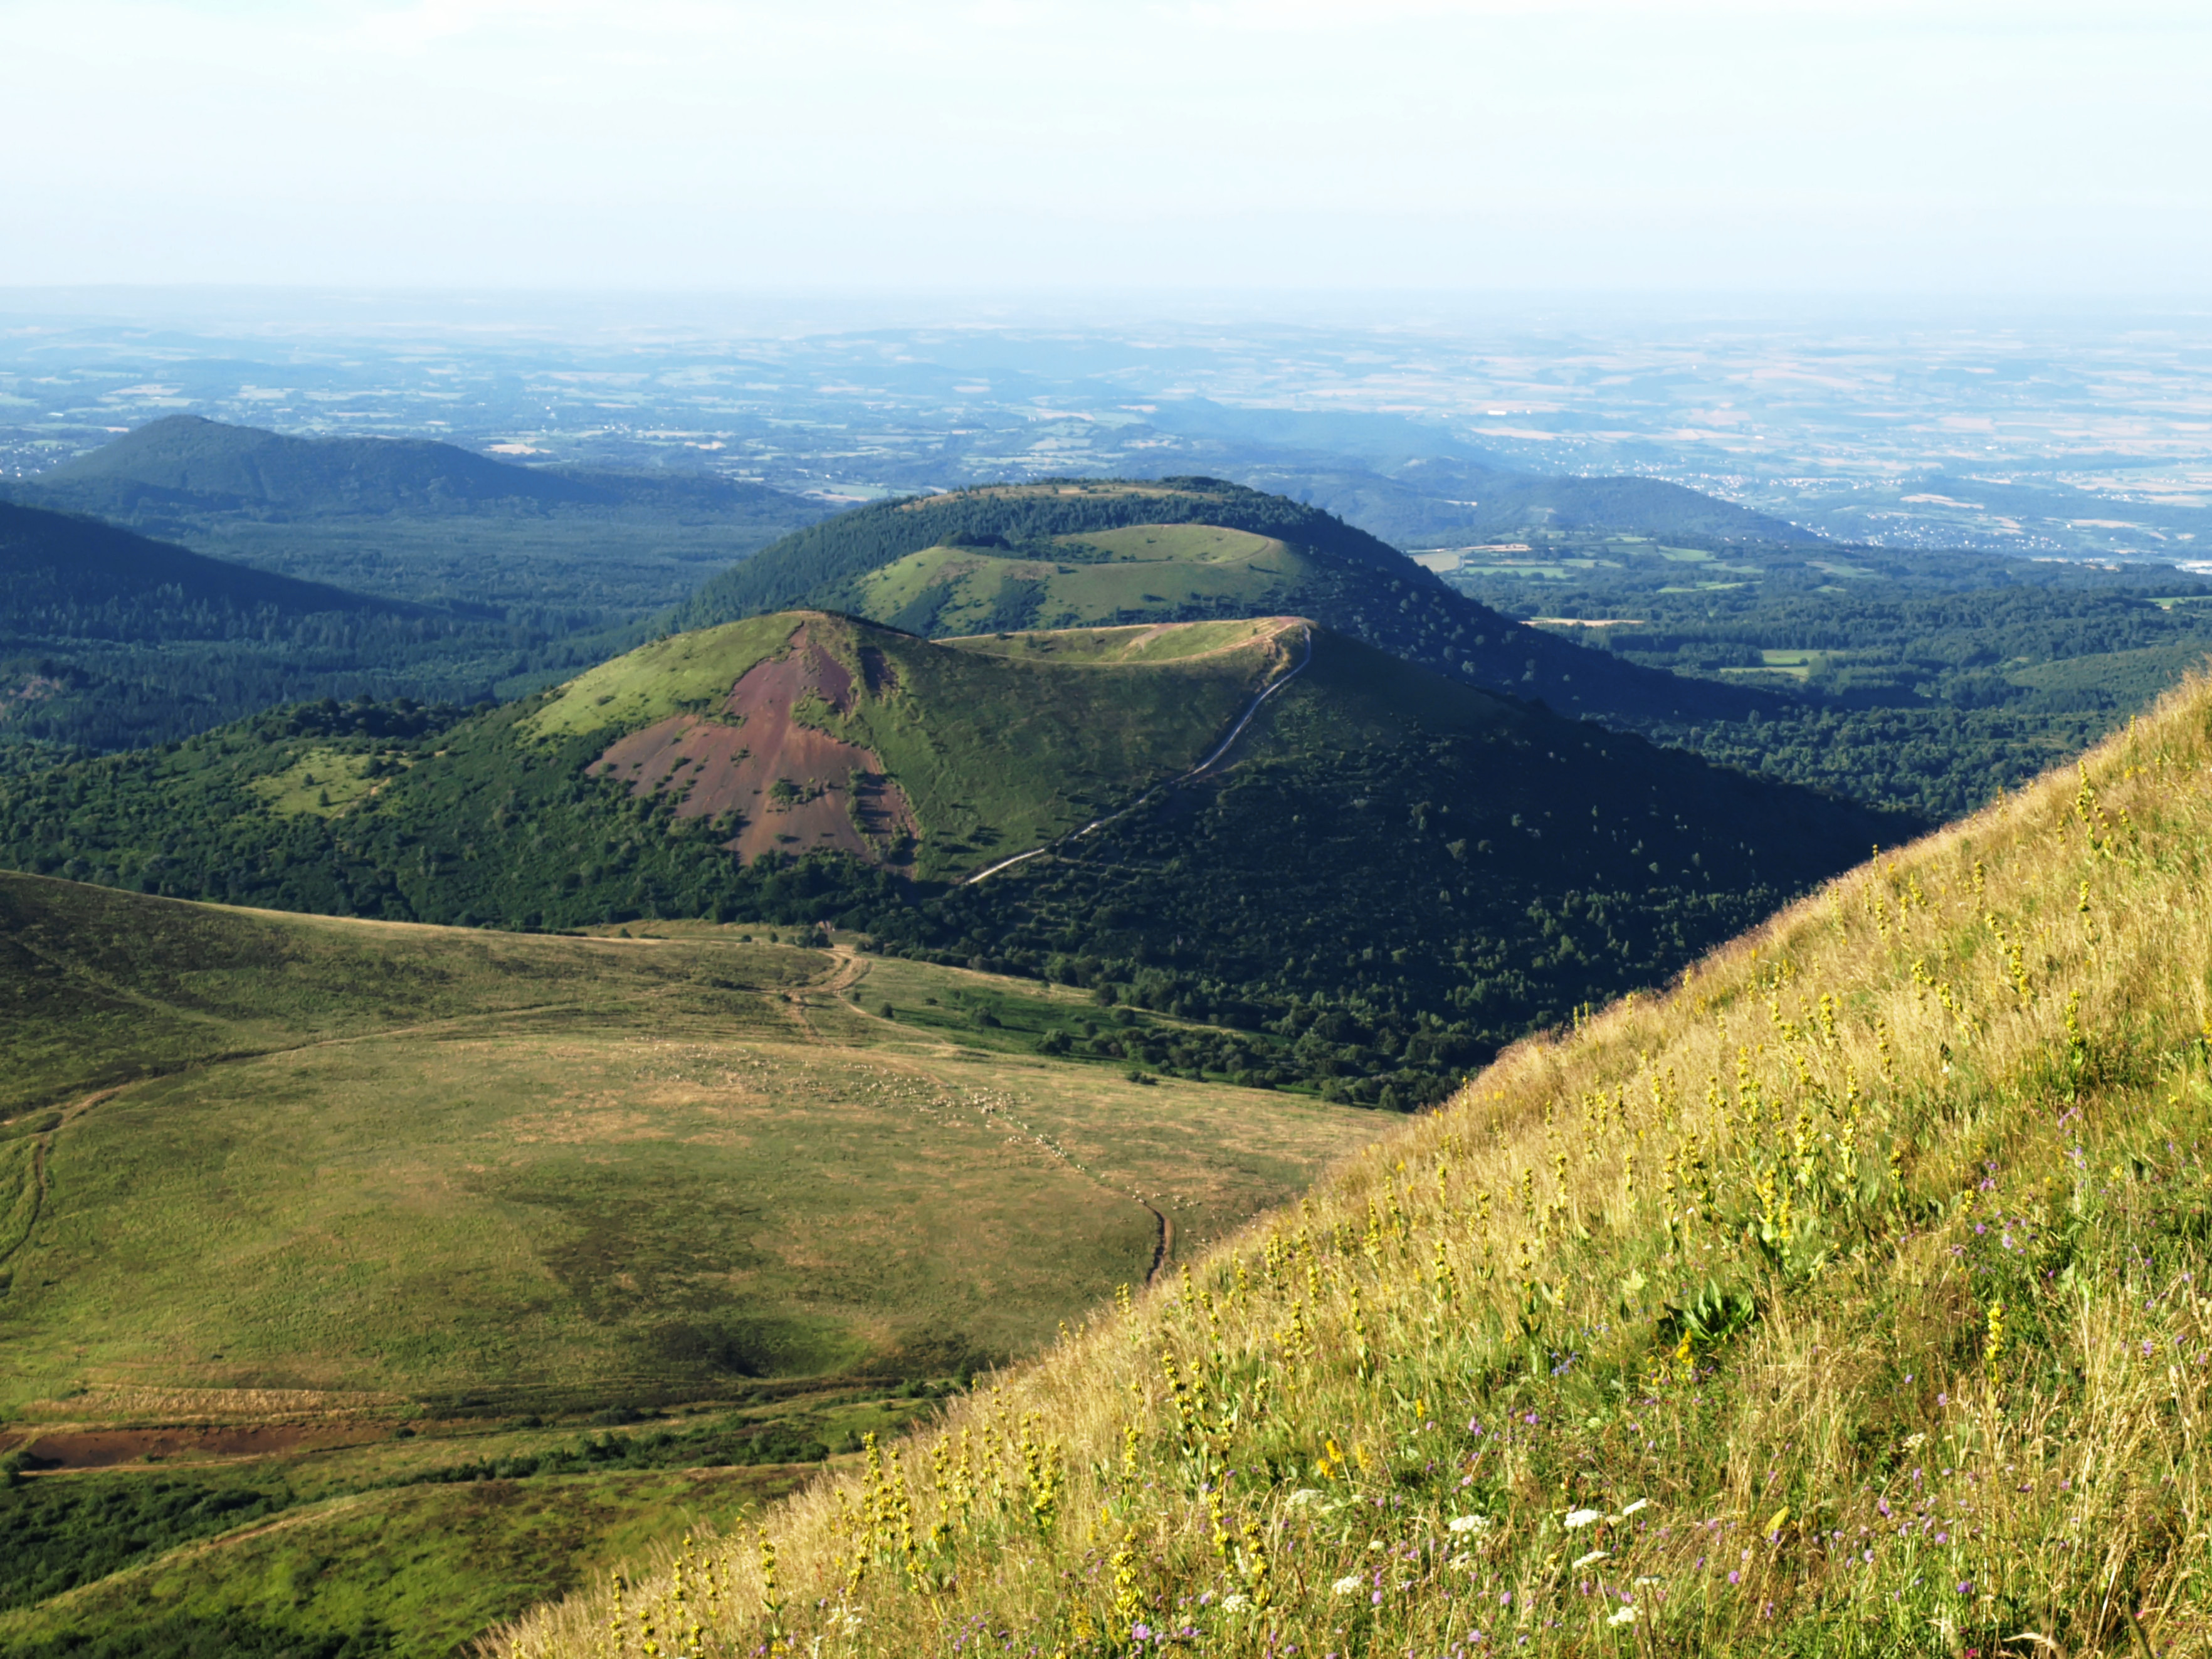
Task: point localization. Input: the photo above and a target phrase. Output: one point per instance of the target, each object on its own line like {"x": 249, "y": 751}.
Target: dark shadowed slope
{"x": 59, "y": 572}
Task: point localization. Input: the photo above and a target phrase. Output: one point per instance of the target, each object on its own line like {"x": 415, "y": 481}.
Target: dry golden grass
{"x": 1845, "y": 1299}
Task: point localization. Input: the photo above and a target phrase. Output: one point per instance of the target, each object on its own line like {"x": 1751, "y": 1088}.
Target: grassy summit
{"x": 1077, "y": 552}
{"x": 1842, "y": 1300}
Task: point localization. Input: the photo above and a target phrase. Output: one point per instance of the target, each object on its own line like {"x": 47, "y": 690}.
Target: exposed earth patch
{"x": 766, "y": 760}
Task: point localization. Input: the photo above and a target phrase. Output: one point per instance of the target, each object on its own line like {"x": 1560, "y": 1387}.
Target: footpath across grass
{"x": 362, "y": 1285}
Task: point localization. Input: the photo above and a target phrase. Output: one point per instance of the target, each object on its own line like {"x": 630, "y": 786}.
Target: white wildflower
{"x": 1594, "y": 1555}
{"x": 1301, "y": 1497}
{"x": 1468, "y": 1522}
{"x": 1581, "y": 1518}
{"x": 1626, "y": 1616}
{"x": 1236, "y": 1602}
{"x": 1640, "y": 1504}
{"x": 1351, "y": 1585}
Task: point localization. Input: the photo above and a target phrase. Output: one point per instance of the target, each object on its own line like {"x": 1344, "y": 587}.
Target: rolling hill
{"x": 330, "y": 1251}
{"x": 1076, "y": 552}
{"x": 1413, "y": 484}
{"x": 1845, "y": 1299}
{"x": 1368, "y": 821}
{"x": 184, "y": 463}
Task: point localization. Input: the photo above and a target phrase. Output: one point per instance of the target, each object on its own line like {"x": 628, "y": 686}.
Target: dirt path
{"x": 852, "y": 968}
{"x": 198, "y": 1548}
{"x": 1197, "y": 771}
{"x": 1163, "y": 1251}
{"x": 41, "y": 1145}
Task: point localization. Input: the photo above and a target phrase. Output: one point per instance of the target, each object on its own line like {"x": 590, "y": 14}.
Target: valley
{"x": 284, "y": 1189}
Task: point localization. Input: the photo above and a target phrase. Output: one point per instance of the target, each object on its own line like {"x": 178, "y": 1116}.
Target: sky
{"x": 1072, "y": 146}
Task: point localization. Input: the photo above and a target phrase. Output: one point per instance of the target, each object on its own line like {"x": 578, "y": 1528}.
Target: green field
{"x": 1116, "y": 575}
{"x": 277, "y": 1187}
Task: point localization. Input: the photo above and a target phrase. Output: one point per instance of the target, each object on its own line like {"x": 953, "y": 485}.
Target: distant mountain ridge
{"x": 1014, "y": 540}
{"x": 186, "y": 463}
{"x": 1429, "y": 502}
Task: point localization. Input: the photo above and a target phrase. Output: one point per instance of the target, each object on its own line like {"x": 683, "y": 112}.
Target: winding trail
{"x": 41, "y": 1149}
{"x": 1163, "y": 1251}
{"x": 1197, "y": 771}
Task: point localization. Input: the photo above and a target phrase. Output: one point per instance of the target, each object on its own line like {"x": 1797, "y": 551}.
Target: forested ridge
{"x": 1356, "y": 585}
{"x": 1925, "y": 683}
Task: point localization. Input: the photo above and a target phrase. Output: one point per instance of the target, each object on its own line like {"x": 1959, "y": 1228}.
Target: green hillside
{"x": 376, "y": 1231}
{"x": 1372, "y": 819}
{"x": 1842, "y": 1300}
{"x": 1084, "y": 551}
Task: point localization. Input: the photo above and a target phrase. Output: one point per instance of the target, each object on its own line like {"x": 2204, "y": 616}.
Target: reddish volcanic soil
{"x": 101, "y": 1448}
{"x": 733, "y": 762}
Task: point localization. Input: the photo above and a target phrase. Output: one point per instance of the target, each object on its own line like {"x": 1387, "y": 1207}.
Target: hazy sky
{"x": 2015, "y": 147}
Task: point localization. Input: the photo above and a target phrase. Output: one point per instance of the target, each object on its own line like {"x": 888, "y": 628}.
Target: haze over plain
{"x": 1965, "y": 147}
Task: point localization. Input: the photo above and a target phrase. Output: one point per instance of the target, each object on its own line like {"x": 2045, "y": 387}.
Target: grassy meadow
{"x": 331, "y": 1207}
{"x": 1845, "y": 1299}
{"x": 1102, "y": 577}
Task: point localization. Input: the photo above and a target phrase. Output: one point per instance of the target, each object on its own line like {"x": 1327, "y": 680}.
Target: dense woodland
{"x": 110, "y": 640}
{"x": 1914, "y": 681}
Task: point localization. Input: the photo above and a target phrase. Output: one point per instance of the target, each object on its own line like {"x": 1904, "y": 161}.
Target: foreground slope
{"x": 1368, "y": 818}
{"x": 245, "y": 1149}
{"x": 1073, "y": 552}
{"x": 1842, "y": 1300}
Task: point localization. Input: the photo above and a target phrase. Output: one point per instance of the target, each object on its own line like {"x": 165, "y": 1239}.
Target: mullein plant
{"x": 1847, "y": 1298}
